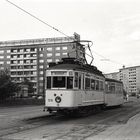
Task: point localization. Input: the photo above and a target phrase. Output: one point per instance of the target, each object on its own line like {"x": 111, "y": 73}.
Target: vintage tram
{"x": 72, "y": 86}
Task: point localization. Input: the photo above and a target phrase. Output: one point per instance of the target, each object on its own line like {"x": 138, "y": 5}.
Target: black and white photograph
{"x": 69, "y": 70}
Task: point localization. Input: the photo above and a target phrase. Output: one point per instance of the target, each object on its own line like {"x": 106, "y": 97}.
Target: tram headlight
{"x": 58, "y": 99}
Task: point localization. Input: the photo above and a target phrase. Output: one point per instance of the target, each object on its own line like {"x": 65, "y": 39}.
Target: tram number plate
{"x": 50, "y": 100}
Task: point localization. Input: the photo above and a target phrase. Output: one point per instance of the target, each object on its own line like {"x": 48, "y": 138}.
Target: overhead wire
{"x": 25, "y": 11}
{"x": 106, "y": 59}
{"x": 47, "y": 24}
{"x": 40, "y": 20}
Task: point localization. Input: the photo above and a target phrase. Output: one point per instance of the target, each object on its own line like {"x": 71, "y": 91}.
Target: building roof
{"x": 129, "y": 67}
{"x": 36, "y": 41}
{"x": 112, "y": 80}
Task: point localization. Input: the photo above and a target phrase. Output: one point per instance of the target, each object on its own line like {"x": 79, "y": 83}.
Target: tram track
{"x": 27, "y": 124}
{"x": 80, "y": 129}
{"x": 83, "y": 131}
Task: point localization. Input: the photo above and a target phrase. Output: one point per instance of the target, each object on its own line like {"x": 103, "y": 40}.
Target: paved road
{"x": 11, "y": 117}
{"x": 31, "y": 123}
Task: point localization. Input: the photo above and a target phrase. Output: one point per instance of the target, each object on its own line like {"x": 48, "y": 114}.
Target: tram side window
{"x": 92, "y": 84}
{"x": 119, "y": 89}
{"x": 76, "y": 80}
{"x": 79, "y": 81}
{"x": 112, "y": 87}
{"x": 69, "y": 82}
{"x": 59, "y": 82}
{"x": 87, "y": 83}
{"x": 109, "y": 87}
{"x": 83, "y": 81}
{"x": 106, "y": 87}
{"x": 101, "y": 85}
{"x": 97, "y": 84}
{"x": 48, "y": 82}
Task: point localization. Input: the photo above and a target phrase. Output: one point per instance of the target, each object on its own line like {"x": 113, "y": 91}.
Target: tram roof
{"x": 112, "y": 80}
{"x": 75, "y": 65}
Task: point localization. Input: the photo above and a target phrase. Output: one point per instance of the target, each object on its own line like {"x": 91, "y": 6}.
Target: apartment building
{"x": 30, "y": 58}
{"x": 130, "y": 77}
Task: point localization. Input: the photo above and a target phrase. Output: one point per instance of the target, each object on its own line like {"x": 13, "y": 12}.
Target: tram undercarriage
{"x": 74, "y": 111}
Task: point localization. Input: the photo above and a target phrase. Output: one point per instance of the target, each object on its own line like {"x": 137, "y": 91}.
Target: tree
{"x": 7, "y": 87}
{"x": 29, "y": 84}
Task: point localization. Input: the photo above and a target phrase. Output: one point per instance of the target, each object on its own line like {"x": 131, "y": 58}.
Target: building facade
{"x": 130, "y": 77}
{"x": 30, "y": 58}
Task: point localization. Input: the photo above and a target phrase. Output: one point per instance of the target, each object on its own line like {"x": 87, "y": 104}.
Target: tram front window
{"x": 59, "y": 82}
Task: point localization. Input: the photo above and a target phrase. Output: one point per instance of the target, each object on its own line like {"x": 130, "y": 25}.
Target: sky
{"x": 112, "y": 25}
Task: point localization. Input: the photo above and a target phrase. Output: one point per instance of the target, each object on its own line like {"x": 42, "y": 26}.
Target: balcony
{"x": 24, "y": 58}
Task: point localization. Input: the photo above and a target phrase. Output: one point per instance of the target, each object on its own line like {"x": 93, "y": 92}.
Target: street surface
{"x": 31, "y": 123}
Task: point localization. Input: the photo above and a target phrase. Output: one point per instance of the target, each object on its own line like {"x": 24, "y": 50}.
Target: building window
{"x": 49, "y": 49}
{"x": 57, "y": 48}
{"x": 28, "y": 55}
{"x": 40, "y": 78}
{"x": 8, "y": 56}
{"x": 28, "y": 61}
{"x": 14, "y": 56}
{"x": 64, "y": 48}
{"x": 41, "y": 66}
{"x": 14, "y": 62}
{"x": 57, "y": 54}
{"x": 34, "y": 61}
{"x": 41, "y": 84}
{"x": 34, "y": 73}
{"x": 14, "y": 51}
{"x": 57, "y": 60}
{"x": 1, "y": 51}
{"x": 33, "y": 55}
{"x": 40, "y": 90}
{"x": 41, "y": 49}
{"x": 32, "y": 49}
{"x": 41, "y": 72}
{"x": 27, "y": 50}
{"x": 64, "y": 53}
{"x": 21, "y": 50}
{"x": 33, "y": 78}
{"x": 33, "y": 67}
{"x": 41, "y": 55}
{"x": 1, "y": 57}
{"x": 20, "y": 56}
{"x": 41, "y": 61}
{"x": 8, "y": 51}
{"x": 49, "y": 60}
{"x": 8, "y": 62}
{"x": 49, "y": 54}
{"x": 21, "y": 62}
